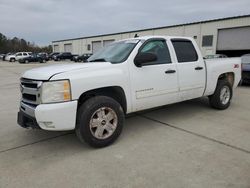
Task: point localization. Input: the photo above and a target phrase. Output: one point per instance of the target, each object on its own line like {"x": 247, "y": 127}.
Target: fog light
{"x": 47, "y": 124}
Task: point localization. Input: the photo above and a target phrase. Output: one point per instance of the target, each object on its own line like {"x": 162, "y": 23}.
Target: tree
{"x": 15, "y": 44}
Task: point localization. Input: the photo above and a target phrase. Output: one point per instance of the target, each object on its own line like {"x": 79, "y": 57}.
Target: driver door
{"x": 154, "y": 83}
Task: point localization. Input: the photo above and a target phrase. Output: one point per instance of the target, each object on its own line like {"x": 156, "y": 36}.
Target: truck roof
{"x": 157, "y": 36}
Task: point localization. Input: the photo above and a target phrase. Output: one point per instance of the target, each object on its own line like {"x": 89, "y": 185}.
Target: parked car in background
{"x": 17, "y": 56}
{"x": 1, "y": 56}
{"x": 6, "y": 55}
{"x": 215, "y": 56}
{"x": 74, "y": 56}
{"x": 53, "y": 54}
{"x": 83, "y": 57}
{"x": 63, "y": 56}
{"x": 33, "y": 58}
{"x": 245, "y": 59}
{"x": 44, "y": 55}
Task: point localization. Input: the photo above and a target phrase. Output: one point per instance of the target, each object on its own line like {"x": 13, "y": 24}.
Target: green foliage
{"x": 18, "y": 45}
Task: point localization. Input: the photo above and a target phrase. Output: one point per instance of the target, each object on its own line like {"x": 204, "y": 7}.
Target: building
{"x": 230, "y": 36}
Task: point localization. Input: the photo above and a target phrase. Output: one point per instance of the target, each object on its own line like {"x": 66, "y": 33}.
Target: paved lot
{"x": 182, "y": 145}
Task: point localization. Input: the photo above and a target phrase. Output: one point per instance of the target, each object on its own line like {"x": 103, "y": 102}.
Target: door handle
{"x": 170, "y": 71}
{"x": 198, "y": 68}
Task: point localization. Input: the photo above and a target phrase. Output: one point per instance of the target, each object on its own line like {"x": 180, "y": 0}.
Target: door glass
{"x": 160, "y": 49}
{"x": 184, "y": 50}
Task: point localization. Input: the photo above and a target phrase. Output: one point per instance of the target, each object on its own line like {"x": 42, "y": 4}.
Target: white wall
{"x": 79, "y": 46}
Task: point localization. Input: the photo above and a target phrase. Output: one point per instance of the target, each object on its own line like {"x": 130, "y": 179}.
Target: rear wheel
{"x": 222, "y": 96}
{"x": 26, "y": 61}
{"x": 99, "y": 121}
{"x": 12, "y": 60}
{"x": 42, "y": 61}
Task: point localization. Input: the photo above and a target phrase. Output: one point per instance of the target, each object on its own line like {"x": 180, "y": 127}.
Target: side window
{"x": 19, "y": 54}
{"x": 25, "y": 54}
{"x": 160, "y": 49}
{"x": 184, "y": 50}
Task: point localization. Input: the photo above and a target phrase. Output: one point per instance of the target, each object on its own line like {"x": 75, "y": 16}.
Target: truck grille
{"x": 31, "y": 91}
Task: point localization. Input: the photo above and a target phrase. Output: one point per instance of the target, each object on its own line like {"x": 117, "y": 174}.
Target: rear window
{"x": 184, "y": 50}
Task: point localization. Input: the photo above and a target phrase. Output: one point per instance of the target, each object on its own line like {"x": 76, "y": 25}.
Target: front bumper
{"x": 26, "y": 121}
{"x": 54, "y": 117}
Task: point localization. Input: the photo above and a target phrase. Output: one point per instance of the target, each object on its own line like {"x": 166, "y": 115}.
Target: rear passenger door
{"x": 191, "y": 69}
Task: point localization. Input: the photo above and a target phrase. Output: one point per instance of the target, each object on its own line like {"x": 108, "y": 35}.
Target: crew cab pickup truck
{"x": 124, "y": 77}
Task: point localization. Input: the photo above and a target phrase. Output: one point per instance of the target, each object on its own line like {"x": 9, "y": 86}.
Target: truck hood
{"x": 45, "y": 73}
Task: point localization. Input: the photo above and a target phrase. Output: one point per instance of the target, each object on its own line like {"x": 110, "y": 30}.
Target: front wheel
{"x": 222, "y": 96}
{"x": 99, "y": 121}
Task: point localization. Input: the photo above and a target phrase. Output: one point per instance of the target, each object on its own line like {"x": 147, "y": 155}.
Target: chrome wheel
{"x": 103, "y": 123}
{"x": 225, "y": 95}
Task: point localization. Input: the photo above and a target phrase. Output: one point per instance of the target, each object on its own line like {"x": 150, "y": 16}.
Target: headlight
{"x": 56, "y": 91}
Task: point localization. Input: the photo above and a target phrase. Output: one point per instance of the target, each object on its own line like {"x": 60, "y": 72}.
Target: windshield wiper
{"x": 98, "y": 60}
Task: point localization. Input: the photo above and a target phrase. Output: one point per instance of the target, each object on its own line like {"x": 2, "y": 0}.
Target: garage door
{"x": 96, "y": 45}
{"x": 68, "y": 48}
{"x": 107, "y": 42}
{"x": 234, "y": 39}
{"x": 56, "y": 48}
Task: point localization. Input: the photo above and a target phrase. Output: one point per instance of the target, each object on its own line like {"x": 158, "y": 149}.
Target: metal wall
{"x": 197, "y": 31}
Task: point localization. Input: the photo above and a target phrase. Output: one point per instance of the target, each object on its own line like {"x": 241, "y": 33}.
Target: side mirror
{"x": 143, "y": 58}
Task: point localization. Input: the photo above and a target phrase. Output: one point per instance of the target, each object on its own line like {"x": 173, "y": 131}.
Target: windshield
{"x": 116, "y": 52}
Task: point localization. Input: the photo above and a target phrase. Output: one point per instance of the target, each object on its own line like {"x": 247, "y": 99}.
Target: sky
{"x": 42, "y": 21}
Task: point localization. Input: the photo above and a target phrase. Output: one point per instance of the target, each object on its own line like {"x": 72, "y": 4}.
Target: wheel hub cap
{"x": 103, "y": 123}
{"x": 225, "y": 95}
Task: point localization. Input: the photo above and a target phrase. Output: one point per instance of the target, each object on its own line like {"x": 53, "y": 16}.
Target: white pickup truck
{"x": 124, "y": 77}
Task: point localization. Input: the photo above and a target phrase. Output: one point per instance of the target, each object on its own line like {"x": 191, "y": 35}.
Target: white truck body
{"x": 144, "y": 87}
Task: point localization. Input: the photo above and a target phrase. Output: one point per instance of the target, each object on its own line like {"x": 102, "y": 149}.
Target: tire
{"x": 26, "y": 61}
{"x": 97, "y": 109}
{"x": 12, "y": 60}
{"x": 58, "y": 59}
{"x": 42, "y": 61}
{"x": 218, "y": 100}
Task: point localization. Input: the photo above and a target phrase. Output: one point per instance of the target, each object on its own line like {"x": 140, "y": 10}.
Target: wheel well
{"x": 229, "y": 76}
{"x": 115, "y": 92}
